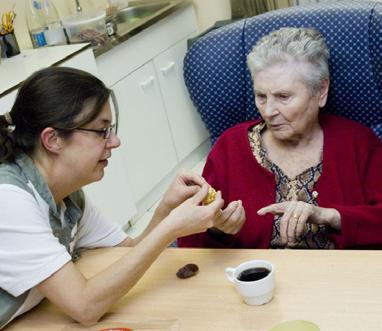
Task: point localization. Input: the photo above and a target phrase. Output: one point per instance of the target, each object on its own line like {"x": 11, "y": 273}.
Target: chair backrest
{"x": 220, "y": 85}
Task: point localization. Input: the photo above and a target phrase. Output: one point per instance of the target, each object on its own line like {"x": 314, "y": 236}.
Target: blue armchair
{"x": 220, "y": 85}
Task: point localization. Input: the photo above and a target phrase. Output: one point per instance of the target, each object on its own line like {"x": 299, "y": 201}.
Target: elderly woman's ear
{"x": 324, "y": 92}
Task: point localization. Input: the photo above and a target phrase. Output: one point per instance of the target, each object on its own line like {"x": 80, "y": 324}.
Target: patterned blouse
{"x": 300, "y": 188}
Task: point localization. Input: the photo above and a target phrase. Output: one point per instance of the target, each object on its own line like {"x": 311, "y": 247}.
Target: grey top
{"x": 19, "y": 174}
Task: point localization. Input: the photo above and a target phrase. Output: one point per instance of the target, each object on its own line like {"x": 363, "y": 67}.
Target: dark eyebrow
{"x": 103, "y": 121}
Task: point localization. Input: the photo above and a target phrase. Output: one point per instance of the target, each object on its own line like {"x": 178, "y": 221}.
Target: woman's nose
{"x": 113, "y": 141}
{"x": 270, "y": 108}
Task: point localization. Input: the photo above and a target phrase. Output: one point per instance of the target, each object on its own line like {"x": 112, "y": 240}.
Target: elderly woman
{"x": 56, "y": 139}
{"x": 306, "y": 179}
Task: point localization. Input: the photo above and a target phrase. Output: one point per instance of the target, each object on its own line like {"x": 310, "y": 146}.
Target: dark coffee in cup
{"x": 254, "y": 281}
{"x": 252, "y": 274}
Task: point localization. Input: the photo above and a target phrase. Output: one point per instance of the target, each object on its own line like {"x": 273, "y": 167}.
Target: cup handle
{"x": 229, "y": 273}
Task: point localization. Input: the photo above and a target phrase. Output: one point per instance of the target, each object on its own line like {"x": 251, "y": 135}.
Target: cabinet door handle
{"x": 147, "y": 82}
{"x": 168, "y": 68}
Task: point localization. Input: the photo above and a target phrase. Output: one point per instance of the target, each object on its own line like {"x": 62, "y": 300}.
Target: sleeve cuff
{"x": 346, "y": 237}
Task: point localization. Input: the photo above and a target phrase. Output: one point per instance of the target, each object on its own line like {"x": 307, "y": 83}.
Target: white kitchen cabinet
{"x": 147, "y": 145}
{"x": 128, "y": 56}
{"x": 112, "y": 194}
{"x": 159, "y": 128}
{"x": 188, "y": 130}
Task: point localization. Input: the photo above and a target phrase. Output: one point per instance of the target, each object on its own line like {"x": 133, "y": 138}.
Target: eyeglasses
{"x": 104, "y": 132}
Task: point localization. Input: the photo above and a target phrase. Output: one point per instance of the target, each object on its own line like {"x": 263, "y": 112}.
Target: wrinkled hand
{"x": 192, "y": 217}
{"x": 295, "y": 216}
{"x": 232, "y": 218}
{"x": 184, "y": 186}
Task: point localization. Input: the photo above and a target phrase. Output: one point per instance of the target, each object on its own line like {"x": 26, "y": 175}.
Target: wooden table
{"x": 337, "y": 290}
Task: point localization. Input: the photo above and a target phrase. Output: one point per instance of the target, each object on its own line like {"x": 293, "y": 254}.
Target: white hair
{"x": 298, "y": 45}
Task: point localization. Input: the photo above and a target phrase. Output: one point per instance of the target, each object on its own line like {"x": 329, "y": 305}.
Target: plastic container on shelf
{"x": 44, "y": 23}
{"x": 54, "y": 32}
{"x": 87, "y": 27}
{"x": 35, "y": 22}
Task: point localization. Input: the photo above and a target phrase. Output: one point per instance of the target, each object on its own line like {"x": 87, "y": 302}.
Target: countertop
{"x": 14, "y": 70}
{"x": 127, "y": 30}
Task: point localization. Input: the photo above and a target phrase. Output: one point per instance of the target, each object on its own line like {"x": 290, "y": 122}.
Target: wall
{"x": 208, "y": 11}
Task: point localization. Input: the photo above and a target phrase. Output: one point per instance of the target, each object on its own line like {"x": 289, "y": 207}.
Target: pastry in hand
{"x": 210, "y": 196}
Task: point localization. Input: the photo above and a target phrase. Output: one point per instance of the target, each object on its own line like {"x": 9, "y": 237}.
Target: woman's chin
{"x": 98, "y": 175}
{"x": 282, "y": 135}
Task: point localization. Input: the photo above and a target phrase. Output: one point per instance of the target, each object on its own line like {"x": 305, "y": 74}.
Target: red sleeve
{"x": 361, "y": 225}
{"x": 214, "y": 171}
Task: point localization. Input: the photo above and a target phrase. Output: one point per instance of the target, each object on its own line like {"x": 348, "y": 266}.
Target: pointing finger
{"x": 275, "y": 208}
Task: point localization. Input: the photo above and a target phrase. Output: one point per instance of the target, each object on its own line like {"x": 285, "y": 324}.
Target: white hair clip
{"x": 8, "y": 118}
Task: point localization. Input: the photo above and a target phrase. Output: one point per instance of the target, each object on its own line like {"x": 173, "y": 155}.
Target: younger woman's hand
{"x": 185, "y": 185}
{"x": 192, "y": 217}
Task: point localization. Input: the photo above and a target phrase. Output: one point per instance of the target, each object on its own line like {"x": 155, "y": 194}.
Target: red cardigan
{"x": 351, "y": 182}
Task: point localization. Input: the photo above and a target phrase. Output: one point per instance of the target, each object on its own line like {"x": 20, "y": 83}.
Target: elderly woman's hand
{"x": 295, "y": 216}
{"x": 232, "y": 218}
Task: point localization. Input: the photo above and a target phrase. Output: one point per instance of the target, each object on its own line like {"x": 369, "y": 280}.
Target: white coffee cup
{"x": 253, "y": 292}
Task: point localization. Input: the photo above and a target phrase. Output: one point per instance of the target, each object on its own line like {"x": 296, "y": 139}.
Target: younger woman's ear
{"x": 50, "y": 140}
{"x": 324, "y": 93}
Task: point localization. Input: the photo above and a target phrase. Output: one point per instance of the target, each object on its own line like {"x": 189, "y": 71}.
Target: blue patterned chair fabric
{"x": 220, "y": 85}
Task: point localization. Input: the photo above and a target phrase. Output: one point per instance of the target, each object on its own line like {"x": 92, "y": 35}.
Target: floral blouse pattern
{"x": 300, "y": 188}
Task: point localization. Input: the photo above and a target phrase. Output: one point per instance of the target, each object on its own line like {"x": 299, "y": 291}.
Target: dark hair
{"x": 51, "y": 97}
